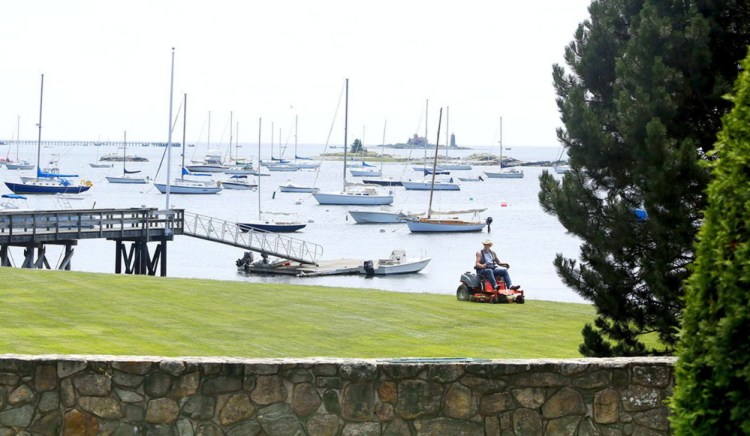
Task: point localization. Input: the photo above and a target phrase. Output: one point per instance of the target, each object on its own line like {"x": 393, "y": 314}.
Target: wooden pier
{"x": 35, "y": 230}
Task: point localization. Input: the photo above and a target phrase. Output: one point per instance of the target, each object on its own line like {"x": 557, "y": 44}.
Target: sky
{"x": 107, "y": 64}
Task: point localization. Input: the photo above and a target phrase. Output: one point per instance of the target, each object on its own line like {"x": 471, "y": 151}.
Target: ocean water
{"x": 523, "y": 234}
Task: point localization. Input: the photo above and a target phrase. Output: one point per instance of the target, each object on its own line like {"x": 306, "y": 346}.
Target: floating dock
{"x": 323, "y": 268}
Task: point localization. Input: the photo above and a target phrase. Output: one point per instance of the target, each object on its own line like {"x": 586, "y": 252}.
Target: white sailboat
{"x": 351, "y": 195}
{"x": 268, "y": 225}
{"x": 507, "y": 173}
{"x": 380, "y": 216}
{"x": 126, "y": 178}
{"x": 183, "y": 185}
{"x": 429, "y": 224}
{"x": 18, "y": 164}
{"x": 46, "y": 182}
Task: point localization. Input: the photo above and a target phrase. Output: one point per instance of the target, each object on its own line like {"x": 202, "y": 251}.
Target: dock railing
{"x": 272, "y": 244}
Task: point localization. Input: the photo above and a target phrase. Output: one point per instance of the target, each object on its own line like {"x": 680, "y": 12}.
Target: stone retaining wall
{"x": 108, "y": 395}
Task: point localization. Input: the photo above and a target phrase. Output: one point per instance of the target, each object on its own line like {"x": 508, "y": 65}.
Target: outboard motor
{"x": 369, "y": 268}
{"x": 247, "y": 259}
{"x": 489, "y": 223}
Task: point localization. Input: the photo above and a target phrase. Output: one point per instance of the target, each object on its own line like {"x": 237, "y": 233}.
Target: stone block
{"x": 261, "y": 369}
{"x": 564, "y": 425}
{"x": 49, "y": 424}
{"x": 45, "y": 378}
{"x": 97, "y": 385}
{"x": 361, "y": 429}
{"x": 483, "y": 385}
{"x": 186, "y": 385}
{"x": 459, "y": 402}
{"x": 222, "y": 385}
{"x": 388, "y": 391}
{"x": 173, "y": 367}
{"x": 279, "y": 419}
{"x": 268, "y": 389}
{"x": 640, "y": 398}
{"x": 138, "y": 368}
{"x": 329, "y": 382}
{"x": 401, "y": 371}
{"x": 493, "y": 404}
{"x": 652, "y": 376}
{"x": 80, "y": 424}
{"x": 325, "y": 369}
{"x": 305, "y": 399}
{"x": 607, "y": 406}
{"x": 592, "y": 380}
{"x": 565, "y": 402}
{"x": 444, "y": 373}
{"x": 299, "y": 375}
{"x": 9, "y": 379}
{"x": 331, "y": 401}
{"x": 323, "y": 425}
{"x": 157, "y": 384}
{"x": 103, "y": 407}
{"x": 358, "y": 402}
{"x": 127, "y": 396}
{"x": 49, "y": 402}
{"x": 385, "y": 411}
{"x": 66, "y": 368}
{"x": 358, "y": 372}
{"x": 21, "y": 395}
{"x": 530, "y": 398}
{"x": 162, "y": 411}
{"x": 126, "y": 380}
{"x": 67, "y": 393}
{"x": 235, "y": 408}
{"x": 655, "y": 419}
{"x": 418, "y": 398}
{"x": 397, "y": 427}
{"x": 446, "y": 426}
{"x": 17, "y": 416}
{"x": 539, "y": 380}
{"x": 527, "y": 422}
{"x": 134, "y": 414}
{"x": 199, "y": 407}
{"x": 245, "y": 428}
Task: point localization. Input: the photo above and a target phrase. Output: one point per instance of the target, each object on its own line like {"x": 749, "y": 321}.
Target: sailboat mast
{"x": 382, "y": 148}
{"x": 230, "y": 135}
{"x": 295, "y": 138}
{"x": 169, "y": 125}
{"x": 434, "y": 164}
{"x": 426, "y": 142}
{"x": 18, "y": 135}
{"x": 272, "y": 141}
{"x": 260, "y": 123}
{"x": 346, "y": 127}
{"x": 184, "y": 127}
{"x": 501, "y": 144}
{"x": 39, "y": 137}
{"x": 447, "y": 129}
{"x": 124, "y": 150}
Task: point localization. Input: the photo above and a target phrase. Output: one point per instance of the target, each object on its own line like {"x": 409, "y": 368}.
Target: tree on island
{"x": 357, "y": 146}
{"x": 641, "y": 107}
{"x": 712, "y": 393}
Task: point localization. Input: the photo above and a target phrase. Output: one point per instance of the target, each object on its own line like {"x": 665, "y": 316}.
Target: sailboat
{"x": 432, "y": 184}
{"x": 429, "y": 224}
{"x": 125, "y": 178}
{"x": 268, "y": 225}
{"x": 98, "y": 163}
{"x": 18, "y": 164}
{"x": 306, "y": 163}
{"x": 47, "y": 183}
{"x": 507, "y": 173}
{"x": 211, "y": 162}
{"x": 183, "y": 185}
{"x": 349, "y": 195}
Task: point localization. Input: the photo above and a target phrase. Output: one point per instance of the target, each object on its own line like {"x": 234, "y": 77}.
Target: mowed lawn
{"x": 51, "y": 312}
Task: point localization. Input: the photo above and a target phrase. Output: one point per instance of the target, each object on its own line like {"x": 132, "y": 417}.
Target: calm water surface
{"x": 524, "y": 236}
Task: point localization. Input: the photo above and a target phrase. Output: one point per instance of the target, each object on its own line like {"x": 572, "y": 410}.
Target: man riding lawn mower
{"x": 484, "y": 286}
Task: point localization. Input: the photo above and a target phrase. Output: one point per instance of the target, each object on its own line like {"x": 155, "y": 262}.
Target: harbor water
{"x": 523, "y": 235}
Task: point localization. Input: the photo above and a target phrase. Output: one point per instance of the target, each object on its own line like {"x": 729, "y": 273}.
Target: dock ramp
{"x": 272, "y": 244}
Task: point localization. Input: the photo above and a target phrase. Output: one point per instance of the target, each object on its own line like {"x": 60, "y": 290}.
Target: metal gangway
{"x": 269, "y": 243}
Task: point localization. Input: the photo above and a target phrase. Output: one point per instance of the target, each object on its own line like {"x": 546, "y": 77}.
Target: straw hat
{"x": 487, "y": 242}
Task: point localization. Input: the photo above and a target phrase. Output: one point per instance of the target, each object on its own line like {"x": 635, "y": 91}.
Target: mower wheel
{"x": 520, "y": 299}
{"x": 502, "y": 299}
{"x": 462, "y": 293}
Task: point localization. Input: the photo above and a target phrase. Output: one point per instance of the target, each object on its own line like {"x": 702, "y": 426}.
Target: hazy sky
{"x": 107, "y": 64}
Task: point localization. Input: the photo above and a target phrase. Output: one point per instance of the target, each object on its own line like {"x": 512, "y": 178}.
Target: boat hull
{"x": 360, "y": 173}
{"x": 426, "y": 225}
{"x": 294, "y": 188}
{"x": 377, "y": 217}
{"x": 28, "y": 188}
{"x": 505, "y": 174}
{"x": 177, "y": 189}
{"x": 238, "y": 186}
{"x": 127, "y": 180}
{"x": 271, "y": 226}
{"x": 12, "y": 166}
{"x": 404, "y": 267}
{"x": 382, "y": 182}
{"x": 352, "y": 199}
{"x": 206, "y": 168}
{"x": 425, "y": 186}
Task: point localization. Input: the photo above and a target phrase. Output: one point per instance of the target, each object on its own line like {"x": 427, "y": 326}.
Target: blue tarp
{"x": 14, "y": 196}
{"x": 40, "y": 174}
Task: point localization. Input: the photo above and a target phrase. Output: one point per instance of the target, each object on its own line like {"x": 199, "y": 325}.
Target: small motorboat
{"x": 397, "y": 263}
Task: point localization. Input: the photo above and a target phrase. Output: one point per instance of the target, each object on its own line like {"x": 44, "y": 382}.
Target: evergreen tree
{"x": 357, "y": 146}
{"x": 641, "y": 105}
{"x": 712, "y": 394}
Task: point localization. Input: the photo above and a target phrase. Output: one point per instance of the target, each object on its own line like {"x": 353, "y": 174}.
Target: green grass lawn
{"x": 43, "y": 312}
